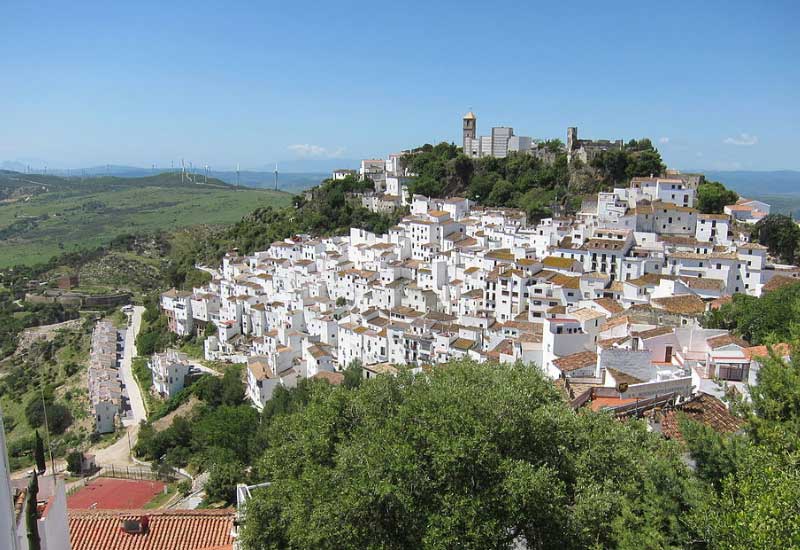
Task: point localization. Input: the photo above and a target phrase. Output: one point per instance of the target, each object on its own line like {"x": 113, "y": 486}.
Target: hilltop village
{"x": 608, "y": 301}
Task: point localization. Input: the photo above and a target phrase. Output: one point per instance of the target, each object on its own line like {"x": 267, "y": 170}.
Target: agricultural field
{"x": 63, "y": 215}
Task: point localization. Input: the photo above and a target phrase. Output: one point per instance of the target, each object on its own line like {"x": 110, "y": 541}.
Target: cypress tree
{"x": 32, "y": 514}
{"x": 38, "y": 454}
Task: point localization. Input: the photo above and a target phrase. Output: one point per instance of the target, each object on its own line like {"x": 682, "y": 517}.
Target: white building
{"x": 169, "y": 372}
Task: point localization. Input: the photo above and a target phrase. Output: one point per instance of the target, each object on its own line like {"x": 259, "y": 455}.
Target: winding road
{"x": 126, "y": 371}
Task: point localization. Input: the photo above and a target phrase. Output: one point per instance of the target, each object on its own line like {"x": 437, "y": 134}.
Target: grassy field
{"x": 68, "y": 218}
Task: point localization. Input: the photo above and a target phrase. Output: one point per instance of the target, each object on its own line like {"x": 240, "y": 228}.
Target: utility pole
{"x": 47, "y": 430}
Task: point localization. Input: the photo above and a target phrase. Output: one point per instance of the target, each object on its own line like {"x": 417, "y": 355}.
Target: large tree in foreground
{"x": 469, "y": 456}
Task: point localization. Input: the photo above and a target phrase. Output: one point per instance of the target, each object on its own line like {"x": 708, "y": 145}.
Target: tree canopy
{"x": 636, "y": 158}
{"x": 772, "y": 317}
{"x": 712, "y": 197}
{"x": 780, "y": 234}
{"x": 470, "y": 456}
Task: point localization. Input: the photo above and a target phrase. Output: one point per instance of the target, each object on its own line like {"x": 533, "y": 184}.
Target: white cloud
{"x": 663, "y": 140}
{"x": 744, "y": 139}
{"x": 315, "y": 151}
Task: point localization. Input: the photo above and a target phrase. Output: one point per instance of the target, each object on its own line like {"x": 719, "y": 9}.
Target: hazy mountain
{"x": 780, "y": 188}
{"x": 750, "y": 182}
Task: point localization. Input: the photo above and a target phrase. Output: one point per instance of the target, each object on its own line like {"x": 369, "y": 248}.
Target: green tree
{"x": 226, "y": 427}
{"x": 32, "y": 513}
{"x": 780, "y": 234}
{"x": 38, "y": 453}
{"x": 712, "y": 197}
{"x": 74, "y": 462}
{"x": 353, "y": 374}
{"x": 58, "y": 416}
{"x": 222, "y": 480}
{"x": 232, "y": 387}
{"x": 772, "y": 317}
{"x": 468, "y": 456}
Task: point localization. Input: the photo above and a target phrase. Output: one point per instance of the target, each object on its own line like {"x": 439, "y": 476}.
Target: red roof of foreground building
{"x": 167, "y": 530}
{"x": 705, "y": 409}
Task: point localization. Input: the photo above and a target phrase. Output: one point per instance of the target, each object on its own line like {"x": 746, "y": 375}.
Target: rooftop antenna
{"x": 276, "y": 176}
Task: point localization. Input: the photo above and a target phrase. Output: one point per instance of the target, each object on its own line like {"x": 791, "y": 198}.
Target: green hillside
{"x": 41, "y": 216}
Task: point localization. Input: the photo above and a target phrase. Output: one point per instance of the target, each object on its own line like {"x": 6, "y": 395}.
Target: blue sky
{"x": 714, "y": 84}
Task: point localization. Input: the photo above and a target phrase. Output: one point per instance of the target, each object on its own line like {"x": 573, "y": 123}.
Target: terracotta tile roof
{"x": 759, "y": 352}
{"x": 777, "y": 282}
{"x": 653, "y": 332}
{"x": 624, "y": 377}
{"x": 168, "y": 529}
{"x": 610, "y": 305}
{"x": 608, "y": 343}
{"x": 683, "y": 304}
{"x": 505, "y": 347}
{"x": 614, "y": 322}
{"x": 603, "y": 244}
{"x": 719, "y": 302}
{"x": 649, "y": 279}
{"x": 333, "y": 378}
{"x": 703, "y": 284}
{"x": 705, "y": 409}
{"x": 599, "y": 403}
{"x": 555, "y": 261}
{"x": 576, "y": 361}
{"x": 463, "y": 344}
{"x": 725, "y": 340}
{"x": 566, "y": 281}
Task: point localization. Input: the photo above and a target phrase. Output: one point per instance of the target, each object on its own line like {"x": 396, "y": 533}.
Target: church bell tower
{"x": 468, "y": 130}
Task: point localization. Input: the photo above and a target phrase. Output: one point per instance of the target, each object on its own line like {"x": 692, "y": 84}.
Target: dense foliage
{"x": 712, "y": 197}
{"x": 154, "y": 334}
{"x": 519, "y": 180}
{"x": 636, "y": 158}
{"x": 472, "y": 456}
{"x": 780, "y": 234}
{"x": 754, "y": 475}
{"x": 45, "y": 410}
{"x": 524, "y": 181}
{"x": 772, "y": 317}
{"x": 214, "y": 436}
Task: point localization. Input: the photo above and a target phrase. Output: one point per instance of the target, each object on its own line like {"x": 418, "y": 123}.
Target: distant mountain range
{"x": 779, "y": 188}
{"x": 288, "y": 180}
{"x": 749, "y": 182}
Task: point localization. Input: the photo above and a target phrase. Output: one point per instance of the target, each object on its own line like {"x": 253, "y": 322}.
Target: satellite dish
{"x": 622, "y": 387}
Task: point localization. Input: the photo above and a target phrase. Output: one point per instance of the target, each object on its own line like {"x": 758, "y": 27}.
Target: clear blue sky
{"x": 714, "y": 84}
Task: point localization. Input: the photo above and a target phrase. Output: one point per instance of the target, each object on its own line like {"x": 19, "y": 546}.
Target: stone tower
{"x": 468, "y": 129}
{"x": 572, "y": 138}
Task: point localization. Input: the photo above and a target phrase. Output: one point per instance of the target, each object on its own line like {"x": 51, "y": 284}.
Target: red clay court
{"x": 114, "y": 494}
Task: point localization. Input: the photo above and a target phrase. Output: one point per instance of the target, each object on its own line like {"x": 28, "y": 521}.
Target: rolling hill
{"x": 44, "y": 215}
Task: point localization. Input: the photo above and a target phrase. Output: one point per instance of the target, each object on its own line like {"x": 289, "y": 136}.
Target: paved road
{"x": 134, "y": 395}
{"x": 202, "y": 368}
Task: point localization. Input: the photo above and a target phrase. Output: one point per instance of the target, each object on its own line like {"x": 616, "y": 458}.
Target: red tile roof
{"x": 777, "y": 282}
{"x": 576, "y": 361}
{"x": 760, "y": 352}
{"x": 168, "y": 530}
{"x": 705, "y": 409}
